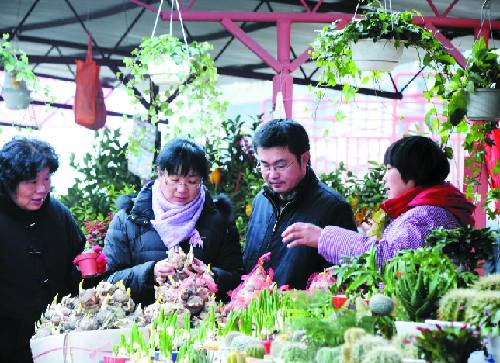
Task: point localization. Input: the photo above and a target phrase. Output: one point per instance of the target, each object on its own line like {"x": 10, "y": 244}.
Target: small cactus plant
{"x": 295, "y": 352}
{"x": 380, "y": 304}
{"x": 489, "y": 282}
{"x": 365, "y": 345}
{"x": 383, "y": 355}
{"x": 328, "y": 355}
{"x": 255, "y": 351}
{"x": 351, "y": 335}
{"x": 230, "y": 336}
{"x": 236, "y": 357}
{"x": 241, "y": 342}
{"x": 453, "y": 305}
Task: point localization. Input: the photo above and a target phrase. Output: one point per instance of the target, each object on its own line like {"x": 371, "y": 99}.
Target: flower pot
{"x": 267, "y": 346}
{"x": 86, "y": 262}
{"x": 483, "y": 104}
{"x": 338, "y": 301}
{"x": 165, "y": 71}
{"x": 15, "y": 94}
{"x": 404, "y": 328}
{"x": 379, "y": 56}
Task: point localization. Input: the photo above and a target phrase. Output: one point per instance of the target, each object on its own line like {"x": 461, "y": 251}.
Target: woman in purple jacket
{"x": 419, "y": 201}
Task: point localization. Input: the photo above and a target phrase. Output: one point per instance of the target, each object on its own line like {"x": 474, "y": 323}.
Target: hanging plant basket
{"x": 376, "y": 56}
{"x": 166, "y": 71}
{"x": 15, "y": 93}
{"x": 483, "y": 104}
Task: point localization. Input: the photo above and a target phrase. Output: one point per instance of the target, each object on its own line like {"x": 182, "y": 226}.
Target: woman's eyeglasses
{"x": 177, "y": 182}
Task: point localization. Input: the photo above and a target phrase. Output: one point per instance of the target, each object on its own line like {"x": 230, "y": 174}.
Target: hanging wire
{"x": 157, "y": 16}
{"x": 486, "y": 15}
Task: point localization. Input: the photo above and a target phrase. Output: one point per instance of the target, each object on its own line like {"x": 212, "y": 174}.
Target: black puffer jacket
{"x": 36, "y": 253}
{"x": 315, "y": 203}
{"x": 133, "y": 246}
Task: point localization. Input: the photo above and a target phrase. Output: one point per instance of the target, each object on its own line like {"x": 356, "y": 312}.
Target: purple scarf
{"x": 175, "y": 223}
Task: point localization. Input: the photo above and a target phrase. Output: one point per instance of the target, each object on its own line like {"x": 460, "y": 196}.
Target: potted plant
{"x": 333, "y": 48}
{"x": 194, "y": 79}
{"x": 465, "y": 246}
{"x": 18, "y": 75}
{"x": 92, "y": 261}
{"x": 475, "y": 90}
{"x": 448, "y": 344}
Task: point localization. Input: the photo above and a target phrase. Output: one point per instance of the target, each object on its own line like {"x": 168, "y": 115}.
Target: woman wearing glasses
{"x": 172, "y": 212}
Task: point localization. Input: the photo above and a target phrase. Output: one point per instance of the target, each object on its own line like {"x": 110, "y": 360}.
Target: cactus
{"x": 365, "y": 345}
{"x": 230, "y": 336}
{"x": 328, "y": 355}
{"x": 255, "y": 351}
{"x": 295, "y": 352}
{"x": 490, "y": 282}
{"x": 383, "y": 355}
{"x": 241, "y": 342}
{"x": 277, "y": 346}
{"x": 381, "y": 304}
{"x": 236, "y": 357}
{"x": 351, "y": 335}
{"x": 452, "y": 306}
{"x": 346, "y": 352}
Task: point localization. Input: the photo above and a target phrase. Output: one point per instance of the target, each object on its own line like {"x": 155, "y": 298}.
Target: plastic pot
{"x": 15, "y": 94}
{"x": 483, "y": 104}
{"x": 165, "y": 72}
{"x": 86, "y": 262}
{"x": 379, "y": 56}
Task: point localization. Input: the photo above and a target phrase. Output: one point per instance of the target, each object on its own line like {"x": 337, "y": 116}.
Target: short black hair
{"x": 280, "y": 133}
{"x": 22, "y": 158}
{"x": 181, "y": 155}
{"x": 420, "y": 159}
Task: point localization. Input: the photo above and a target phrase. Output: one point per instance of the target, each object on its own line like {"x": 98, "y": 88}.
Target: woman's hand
{"x": 162, "y": 269}
{"x": 306, "y": 234}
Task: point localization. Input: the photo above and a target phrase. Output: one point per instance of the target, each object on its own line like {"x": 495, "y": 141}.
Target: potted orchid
{"x": 92, "y": 261}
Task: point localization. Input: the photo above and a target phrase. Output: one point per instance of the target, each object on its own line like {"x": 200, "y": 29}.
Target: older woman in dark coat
{"x": 174, "y": 211}
{"x": 38, "y": 241}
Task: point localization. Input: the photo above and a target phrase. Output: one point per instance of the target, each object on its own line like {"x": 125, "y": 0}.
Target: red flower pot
{"x": 338, "y": 301}
{"x": 110, "y": 359}
{"x": 267, "y": 346}
{"x": 86, "y": 262}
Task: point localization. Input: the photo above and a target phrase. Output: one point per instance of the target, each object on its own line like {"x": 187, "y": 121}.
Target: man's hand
{"x": 306, "y": 234}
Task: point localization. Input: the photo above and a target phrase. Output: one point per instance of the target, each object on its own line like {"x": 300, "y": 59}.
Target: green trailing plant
{"x": 485, "y": 312}
{"x": 103, "y": 177}
{"x": 447, "y": 344}
{"x": 332, "y": 48}
{"x": 453, "y": 306}
{"x": 418, "y": 279}
{"x": 197, "y": 94}
{"x": 15, "y": 61}
{"x": 465, "y": 246}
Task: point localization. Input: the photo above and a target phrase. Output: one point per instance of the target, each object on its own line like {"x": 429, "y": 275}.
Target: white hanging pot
{"x": 483, "y": 104}
{"x": 165, "y": 71}
{"x": 379, "y": 56}
{"x": 15, "y": 93}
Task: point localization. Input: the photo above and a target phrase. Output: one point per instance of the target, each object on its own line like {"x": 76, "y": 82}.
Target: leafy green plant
{"x": 465, "y": 246}
{"x": 448, "y": 344}
{"x": 332, "y": 48}
{"x": 103, "y": 177}
{"x": 419, "y": 278}
{"x": 234, "y": 167}
{"x": 16, "y": 62}
{"x": 197, "y": 94}
{"x": 358, "y": 275}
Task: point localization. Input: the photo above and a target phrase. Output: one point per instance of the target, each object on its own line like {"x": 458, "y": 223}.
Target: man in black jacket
{"x": 292, "y": 194}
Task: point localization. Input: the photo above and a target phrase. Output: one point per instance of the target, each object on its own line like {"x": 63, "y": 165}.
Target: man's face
{"x": 280, "y": 168}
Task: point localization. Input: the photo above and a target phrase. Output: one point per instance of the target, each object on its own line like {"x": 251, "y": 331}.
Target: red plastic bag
{"x": 90, "y": 109}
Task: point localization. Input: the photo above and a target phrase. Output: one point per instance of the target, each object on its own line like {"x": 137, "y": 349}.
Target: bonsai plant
{"x": 196, "y": 77}
{"x": 18, "y": 75}
{"x": 464, "y": 245}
